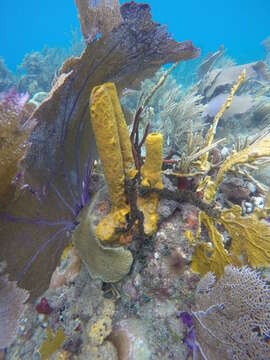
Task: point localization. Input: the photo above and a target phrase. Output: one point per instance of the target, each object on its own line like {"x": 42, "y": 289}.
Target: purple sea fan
{"x": 232, "y": 315}
{"x": 98, "y": 17}
{"x": 15, "y": 128}
{"x": 36, "y": 227}
{"x": 190, "y": 339}
{"x": 12, "y": 301}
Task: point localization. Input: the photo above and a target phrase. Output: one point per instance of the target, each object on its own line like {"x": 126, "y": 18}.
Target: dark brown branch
{"x": 146, "y": 131}
{"x": 134, "y": 137}
{"x": 184, "y": 196}
{"x": 135, "y": 213}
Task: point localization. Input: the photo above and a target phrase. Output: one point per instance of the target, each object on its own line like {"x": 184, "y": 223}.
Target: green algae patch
{"x": 52, "y": 343}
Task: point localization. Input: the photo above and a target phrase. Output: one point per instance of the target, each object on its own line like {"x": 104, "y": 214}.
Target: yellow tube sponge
{"x": 151, "y": 170}
{"x": 104, "y": 123}
{"x": 108, "y": 144}
{"x": 123, "y": 133}
{"x": 151, "y": 177}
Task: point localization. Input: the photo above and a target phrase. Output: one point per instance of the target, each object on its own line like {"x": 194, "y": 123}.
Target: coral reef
{"x": 38, "y": 69}
{"x": 146, "y": 304}
{"x": 114, "y": 249}
{"x": 171, "y": 110}
{"x": 58, "y": 163}
{"x": 7, "y": 79}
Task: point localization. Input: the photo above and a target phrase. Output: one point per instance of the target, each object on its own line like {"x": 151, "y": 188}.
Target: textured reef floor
{"x": 144, "y": 322}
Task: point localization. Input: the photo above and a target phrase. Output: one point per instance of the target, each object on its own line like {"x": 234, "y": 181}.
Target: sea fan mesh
{"x": 98, "y": 17}
{"x": 233, "y": 316}
{"x": 12, "y": 301}
{"x": 15, "y": 127}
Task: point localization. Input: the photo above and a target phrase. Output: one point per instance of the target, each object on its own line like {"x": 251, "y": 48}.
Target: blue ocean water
{"x": 240, "y": 25}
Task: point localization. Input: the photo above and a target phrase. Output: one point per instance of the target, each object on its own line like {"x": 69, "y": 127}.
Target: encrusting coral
{"x": 52, "y": 343}
{"x": 103, "y": 326}
{"x": 103, "y": 262}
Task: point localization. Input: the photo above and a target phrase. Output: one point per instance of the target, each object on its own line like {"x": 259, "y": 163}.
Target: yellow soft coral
{"x": 208, "y": 257}
{"x": 250, "y": 242}
{"x": 250, "y": 236}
